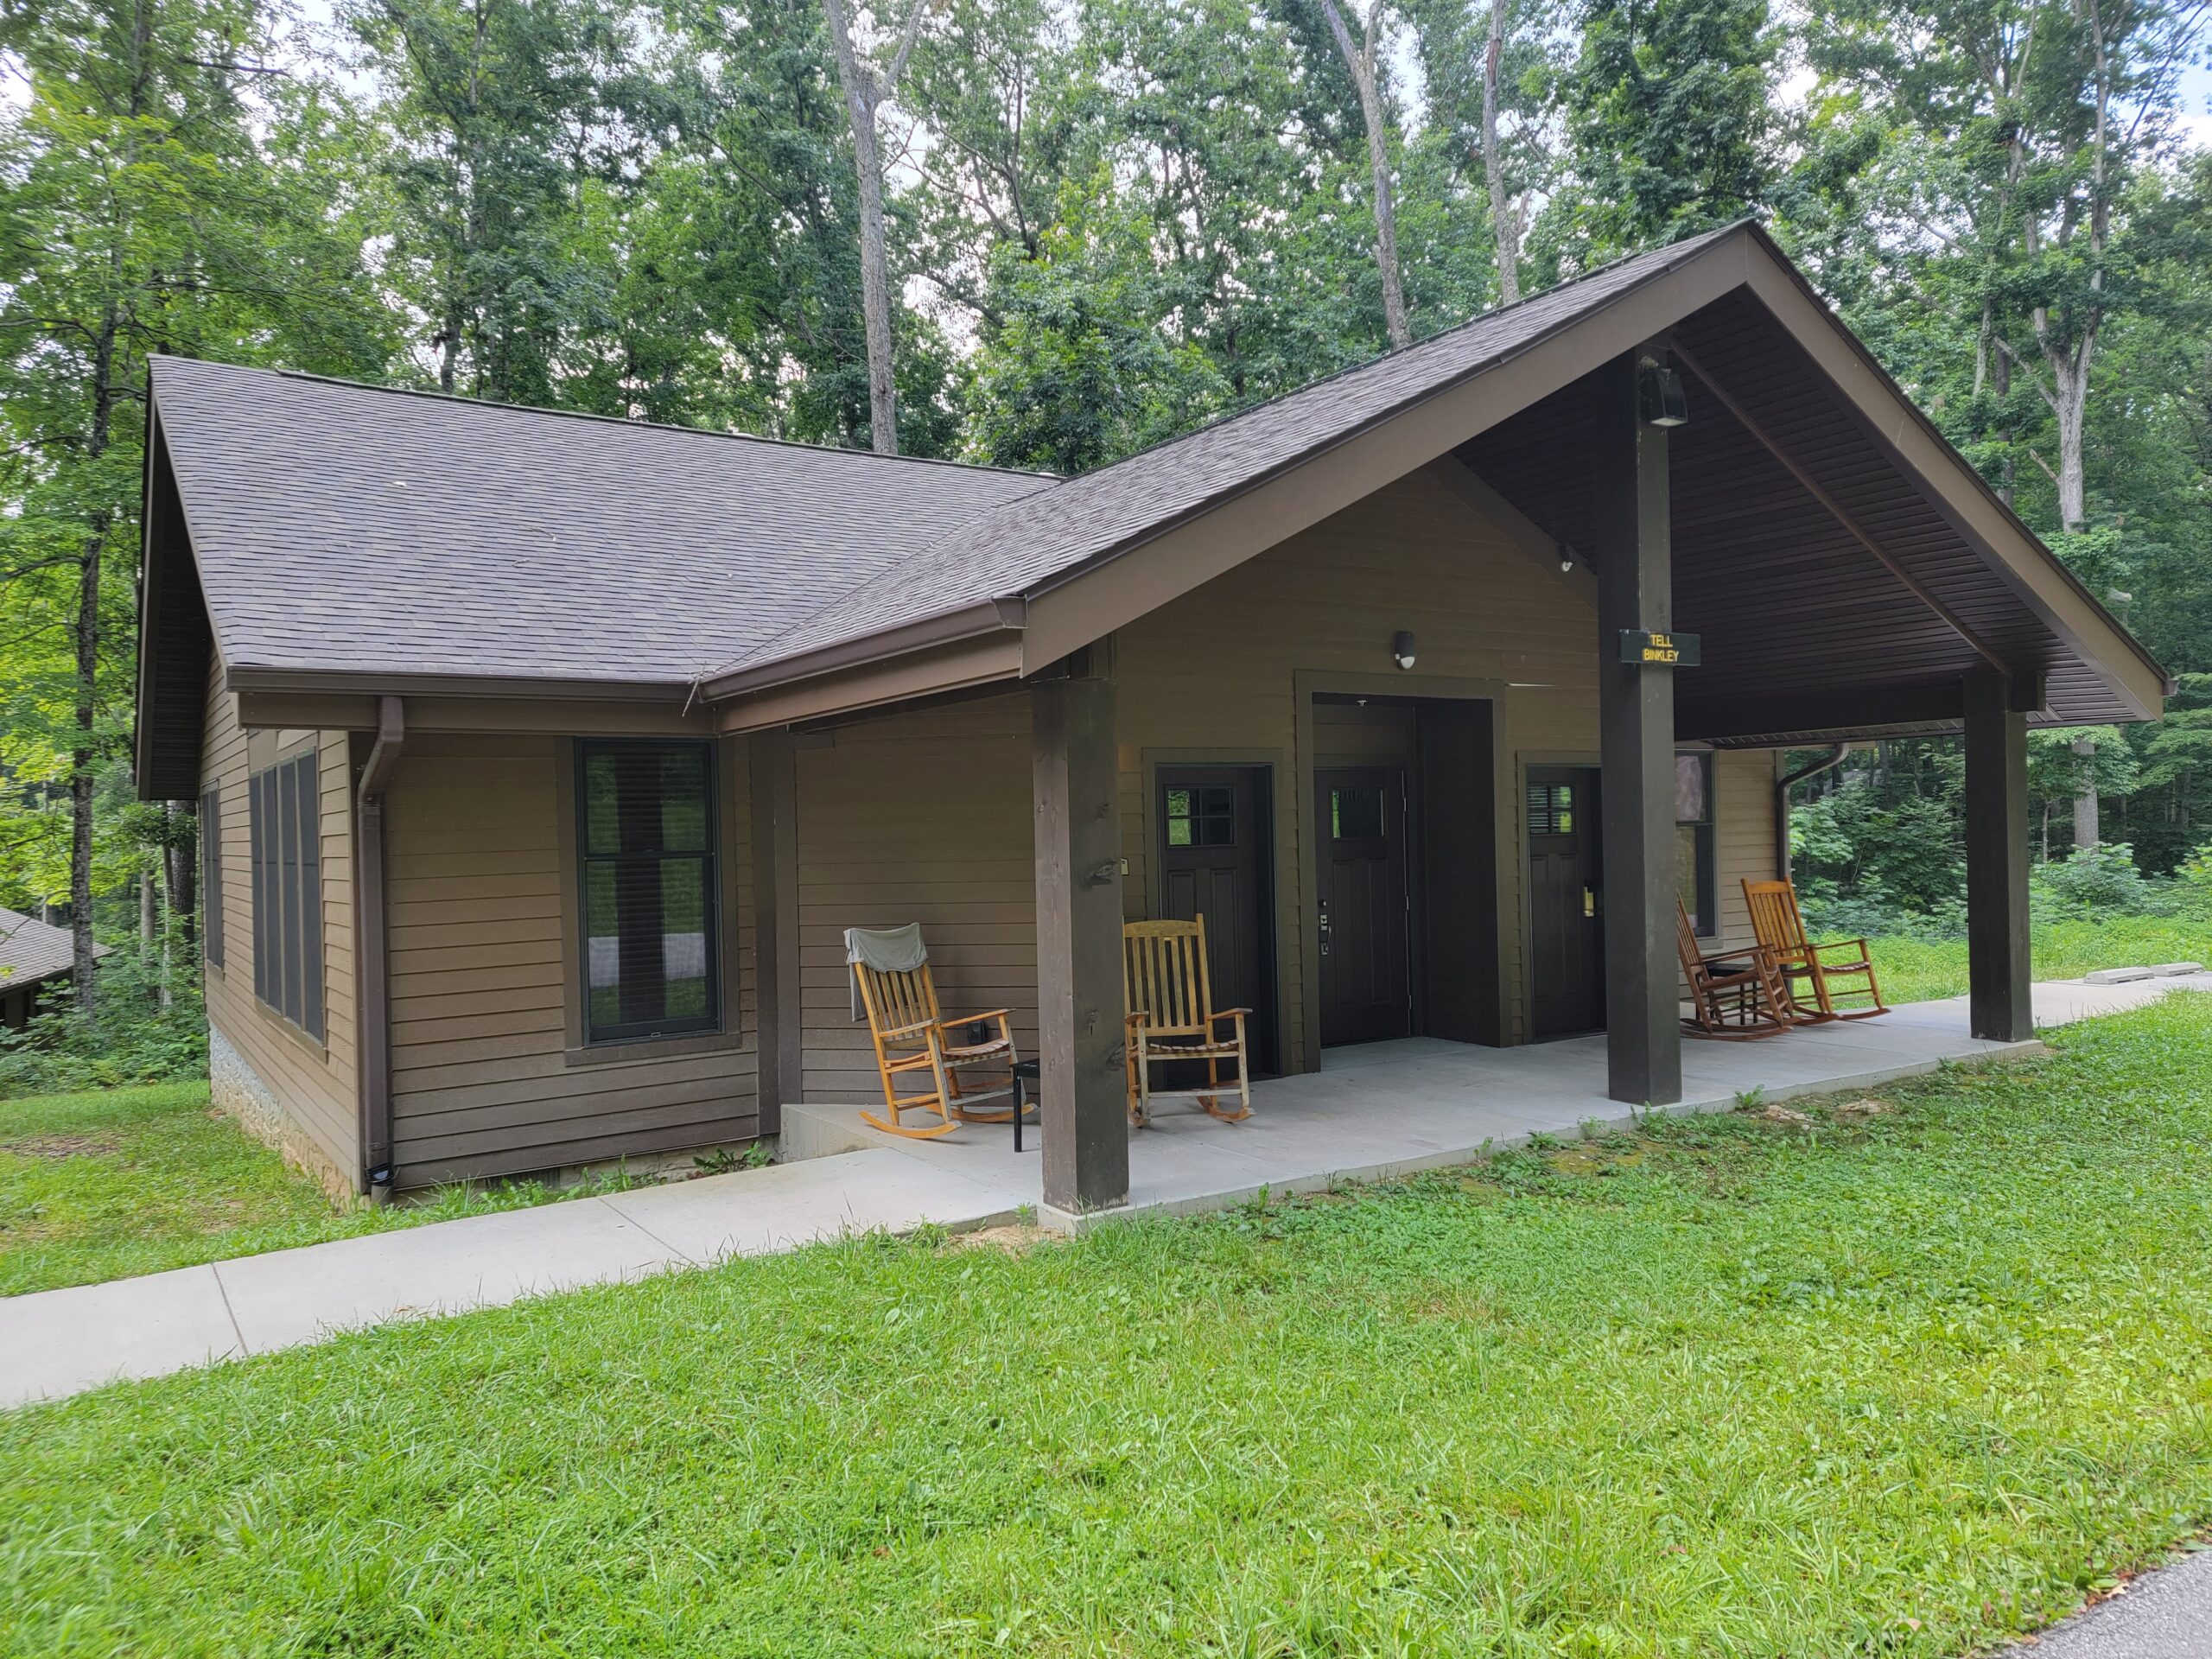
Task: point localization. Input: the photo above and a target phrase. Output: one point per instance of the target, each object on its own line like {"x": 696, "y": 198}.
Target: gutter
{"x": 1812, "y": 769}
{"x": 374, "y": 958}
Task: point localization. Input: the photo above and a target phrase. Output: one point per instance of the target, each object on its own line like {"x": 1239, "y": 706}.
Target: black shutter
{"x": 211, "y": 875}
{"x": 310, "y": 895}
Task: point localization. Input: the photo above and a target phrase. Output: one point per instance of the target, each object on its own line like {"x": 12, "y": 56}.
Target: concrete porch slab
{"x": 1383, "y": 1110}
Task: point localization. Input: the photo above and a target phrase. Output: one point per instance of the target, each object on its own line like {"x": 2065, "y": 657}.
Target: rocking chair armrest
{"x": 1865, "y": 955}
{"x": 1141, "y": 1017}
{"x": 1232, "y": 1013}
{"x": 956, "y": 1020}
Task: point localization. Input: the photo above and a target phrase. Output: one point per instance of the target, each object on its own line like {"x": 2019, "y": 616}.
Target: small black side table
{"x": 1025, "y": 1077}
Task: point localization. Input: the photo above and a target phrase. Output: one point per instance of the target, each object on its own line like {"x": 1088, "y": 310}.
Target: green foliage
{"x": 1075, "y": 371}
{"x": 136, "y": 1039}
{"x": 2100, "y": 880}
{"x": 1905, "y": 1382}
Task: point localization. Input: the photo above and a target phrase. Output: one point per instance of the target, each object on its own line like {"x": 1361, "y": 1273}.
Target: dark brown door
{"x": 1215, "y": 861}
{"x": 1566, "y": 946}
{"x": 1364, "y": 905}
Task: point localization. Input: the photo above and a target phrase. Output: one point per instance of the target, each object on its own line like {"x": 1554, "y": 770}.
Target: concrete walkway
{"x": 1371, "y": 1113}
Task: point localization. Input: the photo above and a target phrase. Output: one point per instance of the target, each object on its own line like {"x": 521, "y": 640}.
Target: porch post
{"x": 1997, "y": 860}
{"x": 1636, "y": 717}
{"x": 772, "y": 772}
{"x": 1076, "y": 792}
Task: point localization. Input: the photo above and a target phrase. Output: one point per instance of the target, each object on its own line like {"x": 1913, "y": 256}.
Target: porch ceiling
{"x": 1806, "y": 633}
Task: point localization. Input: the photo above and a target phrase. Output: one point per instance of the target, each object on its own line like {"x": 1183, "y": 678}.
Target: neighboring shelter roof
{"x": 31, "y": 949}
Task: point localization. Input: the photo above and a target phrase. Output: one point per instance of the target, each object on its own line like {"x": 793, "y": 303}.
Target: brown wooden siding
{"x": 315, "y": 1084}
{"x": 1742, "y": 833}
{"x": 924, "y": 817}
{"x": 1216, "y": 669}
{"x": 483, "y": 997}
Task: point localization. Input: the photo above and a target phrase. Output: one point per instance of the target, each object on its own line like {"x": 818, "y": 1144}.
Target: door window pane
{"x": 1203, "y": 816}
{"x": 1356, "y": 813}
{"x": 647, "y": 843}
{"x": 1551, "y": 809}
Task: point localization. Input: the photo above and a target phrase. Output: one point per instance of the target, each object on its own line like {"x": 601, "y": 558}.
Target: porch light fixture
{"x": 1566, "y": 558}
{"x": 1660, "y": 398}
{"x": 1401, "y": 647}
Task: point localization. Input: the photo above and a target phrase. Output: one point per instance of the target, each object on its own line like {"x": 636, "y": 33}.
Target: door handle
{"x": 1590, "y": 906}
{"x": 1325, "y": 926}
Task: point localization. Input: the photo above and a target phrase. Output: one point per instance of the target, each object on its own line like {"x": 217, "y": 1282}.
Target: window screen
{"x": 1695, "y": 878}
{"x": 284, "y": 825}
{"x": 645, "y": 837}
{"x": 211, "y": 876}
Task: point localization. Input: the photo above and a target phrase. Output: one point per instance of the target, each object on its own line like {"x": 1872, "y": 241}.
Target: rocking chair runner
{"x": 1172, "y": 1018}
{"x": 912, "y": 1037}
{"x": 1827, "y": 971}
{"x": 1734, "y": 994}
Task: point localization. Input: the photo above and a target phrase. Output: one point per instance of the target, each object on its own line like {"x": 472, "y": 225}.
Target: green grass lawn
{"x": 1913, "y": 970}
{"x": 1891, "y": 1383}
{"x": 120, "y": 1181}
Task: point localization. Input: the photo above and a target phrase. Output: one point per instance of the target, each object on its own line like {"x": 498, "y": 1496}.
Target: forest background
{"x": 1048, "y": 233}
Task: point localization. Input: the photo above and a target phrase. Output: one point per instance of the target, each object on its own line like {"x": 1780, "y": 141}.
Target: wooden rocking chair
{"x": 1734, "y": 994}
{"x": 1172, "y": 1018}
{"x": 1826, "y": 972}
{"x": 913, "y": 1038}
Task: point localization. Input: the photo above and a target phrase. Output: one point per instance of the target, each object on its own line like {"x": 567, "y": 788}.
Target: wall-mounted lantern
{"x": 1401, "y": 648}
{"x": 1660, "y": 398}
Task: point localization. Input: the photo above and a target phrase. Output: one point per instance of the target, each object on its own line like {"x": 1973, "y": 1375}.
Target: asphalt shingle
{"x": 347, "y": 528}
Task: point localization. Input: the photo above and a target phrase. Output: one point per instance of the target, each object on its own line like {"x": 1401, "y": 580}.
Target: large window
{"x": 1694, "y": 853}
{"x": 284, "y": 824}
{"x": 211, "y": 875}
{"x": 645, "y": 837}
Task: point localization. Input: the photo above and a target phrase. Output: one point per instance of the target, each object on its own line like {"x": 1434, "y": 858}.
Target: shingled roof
{"x": 31, "y": 949}
{"x": 352, "y": 538}
{"x": 1049, "y": 533}
{"x": 342, "y": 528}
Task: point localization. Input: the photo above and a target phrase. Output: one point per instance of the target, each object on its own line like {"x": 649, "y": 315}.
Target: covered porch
{"x": 1378, "y": 1111}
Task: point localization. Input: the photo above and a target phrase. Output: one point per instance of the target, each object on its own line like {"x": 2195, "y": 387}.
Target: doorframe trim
{"x": 1581, "y": 759}
{"x": 1284, "y": 898}
{"x": 1307, "y": 683}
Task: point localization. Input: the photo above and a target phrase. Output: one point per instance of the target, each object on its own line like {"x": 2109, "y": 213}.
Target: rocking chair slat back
{"x": 1163, "y": 975}
{"x": 1775, "y": 919}
{"x": 898, "y": 1003}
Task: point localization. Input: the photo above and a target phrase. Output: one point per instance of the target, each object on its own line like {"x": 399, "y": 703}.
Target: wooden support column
{"x": 779, "y": 1034}
{"x": 1633, "y": 554}
{"x": 1997, "y": 860}
{"x": 1076, "y": 791}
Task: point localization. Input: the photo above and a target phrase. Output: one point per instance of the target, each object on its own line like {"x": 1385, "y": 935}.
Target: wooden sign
{"x": 1661, "y": 650}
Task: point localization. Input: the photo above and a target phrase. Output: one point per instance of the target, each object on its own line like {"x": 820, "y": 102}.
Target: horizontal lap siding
{"x": 1215, "y": 668}
{"x": 478, "y": 886}
{"x": 916, "y": 818}
{"x": 1742, "y": 826}
{"x": 314, "y": 1082}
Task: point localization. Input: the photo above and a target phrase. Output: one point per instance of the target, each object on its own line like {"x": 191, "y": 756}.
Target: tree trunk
{"x": 1505, "y": 219}
{"x": 180, "y": 872}
{"x": 1360, "y": 59}
{"x": 865, "y": 91}
{"x": 2086, "y": 828}
{"x": 82, "y": 759}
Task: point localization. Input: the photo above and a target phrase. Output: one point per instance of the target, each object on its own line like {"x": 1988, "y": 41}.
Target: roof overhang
{"x": 1031, "y": 630}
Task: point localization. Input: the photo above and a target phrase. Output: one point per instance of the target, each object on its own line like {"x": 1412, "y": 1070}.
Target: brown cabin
{"x": 543, "y": 759}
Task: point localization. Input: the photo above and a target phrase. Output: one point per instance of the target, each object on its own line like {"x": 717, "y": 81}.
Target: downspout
{"x": 375, "y": 983}
{"x": 1812, "y": 769}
